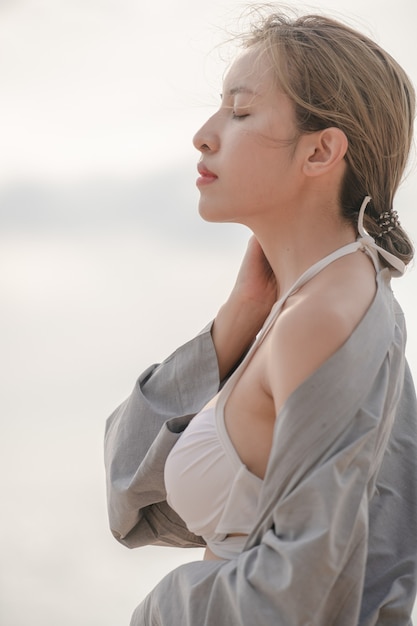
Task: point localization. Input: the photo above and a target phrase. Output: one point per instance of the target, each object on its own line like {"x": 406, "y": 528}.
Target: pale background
{"x": 99, "y": 240}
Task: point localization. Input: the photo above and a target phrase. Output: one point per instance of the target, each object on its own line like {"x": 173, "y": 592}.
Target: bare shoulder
{"x": 316, "y": 322}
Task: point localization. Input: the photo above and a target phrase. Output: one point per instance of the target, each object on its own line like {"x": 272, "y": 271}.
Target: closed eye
{"x": 239, "y": 116}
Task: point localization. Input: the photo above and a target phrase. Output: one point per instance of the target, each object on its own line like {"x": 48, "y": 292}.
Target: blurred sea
{"x": 89, "y": 273}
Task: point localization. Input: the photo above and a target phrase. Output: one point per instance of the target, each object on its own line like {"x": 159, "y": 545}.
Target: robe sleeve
{"x": 139, "y": 435}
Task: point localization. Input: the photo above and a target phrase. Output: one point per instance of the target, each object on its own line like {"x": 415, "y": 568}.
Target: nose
{"x": 206, "y": 138}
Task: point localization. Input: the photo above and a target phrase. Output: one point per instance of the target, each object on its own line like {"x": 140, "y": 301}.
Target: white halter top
{"x": 206, "y": 482}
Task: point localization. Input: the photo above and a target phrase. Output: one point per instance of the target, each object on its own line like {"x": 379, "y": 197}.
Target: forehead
{"x": 252, "y": 70}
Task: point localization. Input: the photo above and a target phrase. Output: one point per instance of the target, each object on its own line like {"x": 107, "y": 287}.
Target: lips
{"x": 206, "y": 176}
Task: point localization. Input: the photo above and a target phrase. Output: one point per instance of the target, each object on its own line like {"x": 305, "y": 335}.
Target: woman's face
{"x": 248, "y": 165}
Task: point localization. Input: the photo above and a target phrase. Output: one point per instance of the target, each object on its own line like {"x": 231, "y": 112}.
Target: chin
{"x": 211, "y": 214}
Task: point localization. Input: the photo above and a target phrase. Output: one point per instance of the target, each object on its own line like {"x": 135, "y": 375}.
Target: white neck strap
{"x": 398, "y": 267}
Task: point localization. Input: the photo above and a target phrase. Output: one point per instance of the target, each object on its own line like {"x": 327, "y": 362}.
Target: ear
{"x": 325, "y": 149}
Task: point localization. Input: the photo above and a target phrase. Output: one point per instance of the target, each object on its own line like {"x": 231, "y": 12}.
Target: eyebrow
{"x": 241, "y": 89}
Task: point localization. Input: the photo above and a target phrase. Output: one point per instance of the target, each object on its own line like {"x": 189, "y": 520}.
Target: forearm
{"x": 242, "y": 316}
{"x": 234, "y": 330}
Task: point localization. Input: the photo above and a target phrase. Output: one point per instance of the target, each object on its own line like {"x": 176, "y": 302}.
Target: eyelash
{"x": 239, "y": 117}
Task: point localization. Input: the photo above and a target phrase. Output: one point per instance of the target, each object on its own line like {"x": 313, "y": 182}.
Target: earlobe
{"x": 326, "y": 150}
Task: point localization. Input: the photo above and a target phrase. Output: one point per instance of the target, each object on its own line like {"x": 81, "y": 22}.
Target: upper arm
{"x": 316, "y": 321}
{"x": 303, "y": 338}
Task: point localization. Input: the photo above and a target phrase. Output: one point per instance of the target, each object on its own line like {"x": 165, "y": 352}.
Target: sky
{"x": 99, "y": 238}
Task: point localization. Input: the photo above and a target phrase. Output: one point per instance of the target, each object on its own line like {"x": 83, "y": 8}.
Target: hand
{"x": 242, "y": 316}
{"x": 255, "y": 283}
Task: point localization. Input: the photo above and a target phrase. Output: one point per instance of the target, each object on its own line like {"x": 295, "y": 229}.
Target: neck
{"x": 294, "y": 245}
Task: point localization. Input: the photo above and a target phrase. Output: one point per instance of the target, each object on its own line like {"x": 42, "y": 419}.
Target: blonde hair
{"x": 338, "y": 77}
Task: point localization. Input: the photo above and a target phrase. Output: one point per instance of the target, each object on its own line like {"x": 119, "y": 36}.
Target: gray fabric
{"x": 139, "y": 436}
{"x": 336, "y": 537}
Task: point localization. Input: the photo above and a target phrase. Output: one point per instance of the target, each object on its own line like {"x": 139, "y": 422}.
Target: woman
{"x": 294, "y": 475}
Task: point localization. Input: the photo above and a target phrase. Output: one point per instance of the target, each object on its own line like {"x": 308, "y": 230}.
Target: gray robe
{"x": 335, "y": 542}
